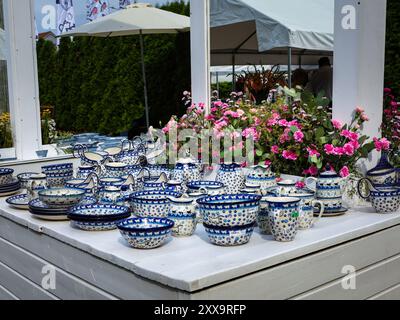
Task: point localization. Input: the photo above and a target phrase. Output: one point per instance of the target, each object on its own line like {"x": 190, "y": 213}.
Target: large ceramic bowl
{"x": 6, "y": 175}
{"x": 61, "y": 197}
{"x": 58, "y": 168}
{"x": 98, "y": 217}
{"x": 229, "y": 236}
{"x": 229, "y": 210}
{"x": 152, "y": 203}
{"x": 146, "y": 233}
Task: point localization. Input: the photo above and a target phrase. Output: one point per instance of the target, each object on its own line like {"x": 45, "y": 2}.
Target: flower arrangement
{"x": 6, "y": 139}
{"x": 391, "y": 124}
{"x": 295, "y": 133}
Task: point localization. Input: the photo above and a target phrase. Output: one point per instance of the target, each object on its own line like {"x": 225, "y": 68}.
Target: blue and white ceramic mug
{"x": 283, "y": 213}
{"x": 306, "y": 213}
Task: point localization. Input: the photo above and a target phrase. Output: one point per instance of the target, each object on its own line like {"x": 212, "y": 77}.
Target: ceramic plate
{"x": 333, "y": 213}
{"x": 9, "y": 193}
{"x": 50, "y": 217}
{"x": 40, "y": 207}
{"x": 20, "y": 201}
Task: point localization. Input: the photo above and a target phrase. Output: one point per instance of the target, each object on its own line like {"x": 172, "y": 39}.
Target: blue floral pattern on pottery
{"x": 233, "y": 236}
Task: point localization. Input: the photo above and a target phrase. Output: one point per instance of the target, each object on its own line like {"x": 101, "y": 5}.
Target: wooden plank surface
{"x": 21, "y": 286}
{"x": 6, "y": 295}
{"x": 192, "y": 264}
{"x": 393, "y": 293}
{"x": 304, "y": 274}
{"x": 67, "y": 287}
{"x": 101, "y": 274}
{"x": 368, "y": 282}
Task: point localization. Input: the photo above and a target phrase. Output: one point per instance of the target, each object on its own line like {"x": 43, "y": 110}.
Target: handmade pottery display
{"x": 306, "y": 213}
{"x": 384, "y": 200}
{"x": 229, "y": 236}
{"x": 229, "y": 210}
{"x": 232, "y": 176}
{"x": 146, "y": 233}
{"x": 6, "y": 176}
{"x": 152, "y": 203}
{"x": 283, "y": 213}
{"x": 61, "y": 197}
{"x": 98, "y": 217}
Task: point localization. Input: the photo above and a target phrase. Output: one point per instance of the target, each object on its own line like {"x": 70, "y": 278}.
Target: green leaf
{"x": 259, "y": 153}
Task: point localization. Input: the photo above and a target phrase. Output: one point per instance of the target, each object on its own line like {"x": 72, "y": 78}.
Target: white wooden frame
{"x": 23, "y": 78}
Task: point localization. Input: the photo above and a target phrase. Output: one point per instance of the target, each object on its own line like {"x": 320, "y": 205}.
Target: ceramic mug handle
{"x": 308, "y": 183}
{"x": 322, "y": 209}
{"x": 359, "y": 185}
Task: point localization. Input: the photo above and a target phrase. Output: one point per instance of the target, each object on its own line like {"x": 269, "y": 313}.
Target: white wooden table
{"x": 100, "y": 265}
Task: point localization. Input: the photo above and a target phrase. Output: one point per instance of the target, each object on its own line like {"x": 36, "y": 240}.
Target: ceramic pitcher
{"x": 306, "y": 212}
{"x": 232, "y": 176}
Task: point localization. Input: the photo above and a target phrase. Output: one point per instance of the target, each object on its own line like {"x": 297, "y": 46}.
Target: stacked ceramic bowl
{"x": 58, "y": 174}
{"x": 8, "y": 184}
{"x": 54, "y": 204}
{"x": 98, "y": 217}
{"x": 229, "y": 219}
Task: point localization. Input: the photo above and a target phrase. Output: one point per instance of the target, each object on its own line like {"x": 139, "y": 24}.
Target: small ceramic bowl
{"x": 229, "y": 210}
{"x": 146, "y": 233}
{"x": 231, "y": 236}
{"x": 212, "y": 188}
{"x": 152, "y": 203}
{"x": 6, "y": 176}
{"x": 98, "y": 217}
{"x": 61, "y": 197}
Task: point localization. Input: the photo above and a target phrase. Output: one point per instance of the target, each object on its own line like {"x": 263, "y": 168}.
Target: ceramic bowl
{"x": 58, "y": 179}
{"x": 229, "y": 210}
{"x": 6, "y": 176}
{"x": 385, "y": 200}
{"x": 231, "y": 236}
{"x": 111, "y": 181}
{"x": 212, "y": 188}
{"x": 25, "y": 177}
{"x": 115, "y": 169}
{"x": 61, "y": 197}
{"x": 58, "y": 168}
{"x": 98, "y": 217}
{"x": 146, "y": 233}
{"x": 152, "y": 203}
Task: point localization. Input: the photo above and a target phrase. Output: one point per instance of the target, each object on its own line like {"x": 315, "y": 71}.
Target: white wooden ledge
{"x": 193, "y": 264}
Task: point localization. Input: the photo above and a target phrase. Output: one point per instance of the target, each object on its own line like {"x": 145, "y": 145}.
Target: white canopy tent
{"x": 270, "y": 31}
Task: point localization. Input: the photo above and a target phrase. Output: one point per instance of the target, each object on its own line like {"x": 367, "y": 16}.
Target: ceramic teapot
{"x": 328, "y": 185}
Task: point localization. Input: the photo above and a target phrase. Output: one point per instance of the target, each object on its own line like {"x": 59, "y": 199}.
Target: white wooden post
{"x": 360, "y": 28}
{"x": 200, "y": 51}
{"x": 23, "y": 77}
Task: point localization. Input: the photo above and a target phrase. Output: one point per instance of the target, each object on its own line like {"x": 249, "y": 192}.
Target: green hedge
{"x": 392, "y": 68}
{"x": 96, "y": 84}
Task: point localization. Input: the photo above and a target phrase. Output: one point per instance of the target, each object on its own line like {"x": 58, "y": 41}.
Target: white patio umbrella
{"x": 136, "y": 19}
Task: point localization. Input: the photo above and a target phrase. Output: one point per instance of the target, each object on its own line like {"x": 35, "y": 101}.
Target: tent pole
{"x": 290, "y": 67}
{"x": 233, "y": 73}
{"x": 146, "y": 101}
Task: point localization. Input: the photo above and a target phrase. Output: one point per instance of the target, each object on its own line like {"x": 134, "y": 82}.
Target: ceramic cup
{"x": 183, "y": 214}
{"x": 34, "y": 184}
{"x": 384, "y": 200}
{"x": 283, "y": 215}
{"x": 307, "y": 205}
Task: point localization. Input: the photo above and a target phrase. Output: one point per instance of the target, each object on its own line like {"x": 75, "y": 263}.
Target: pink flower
{"x": 338, "y": 151}
{"x": 313, "y": 171}
{"x": 289, "y": 155}
{"x": 360, "y": 110}
{"x": 209, "y": 117}
{"x": 329, "y": 149}
{"x": 356, "y": 144}
{"x": 300, "y": 185}
{"x": 364, "y": 117}
{"x": 275, "y": 149}
{"x": 298, "y": 136}
{"x": 251, "y": 132}
{"x": 253, "y": 110}
{"x": 268, "y": 163}
{"x": 257, "y": 121}
{"x": 387, "y": 90}
{"x": 337, "y": 124}
{"x": 313, "y": 152}
{"x": 382, "y": 144}
{"x": 218, "y": 104}
{"x": 348, "y": 149}
{"x": 240, "y": 112}
{"x": 283, "y": 123}
{"x": 344, "y": 172}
